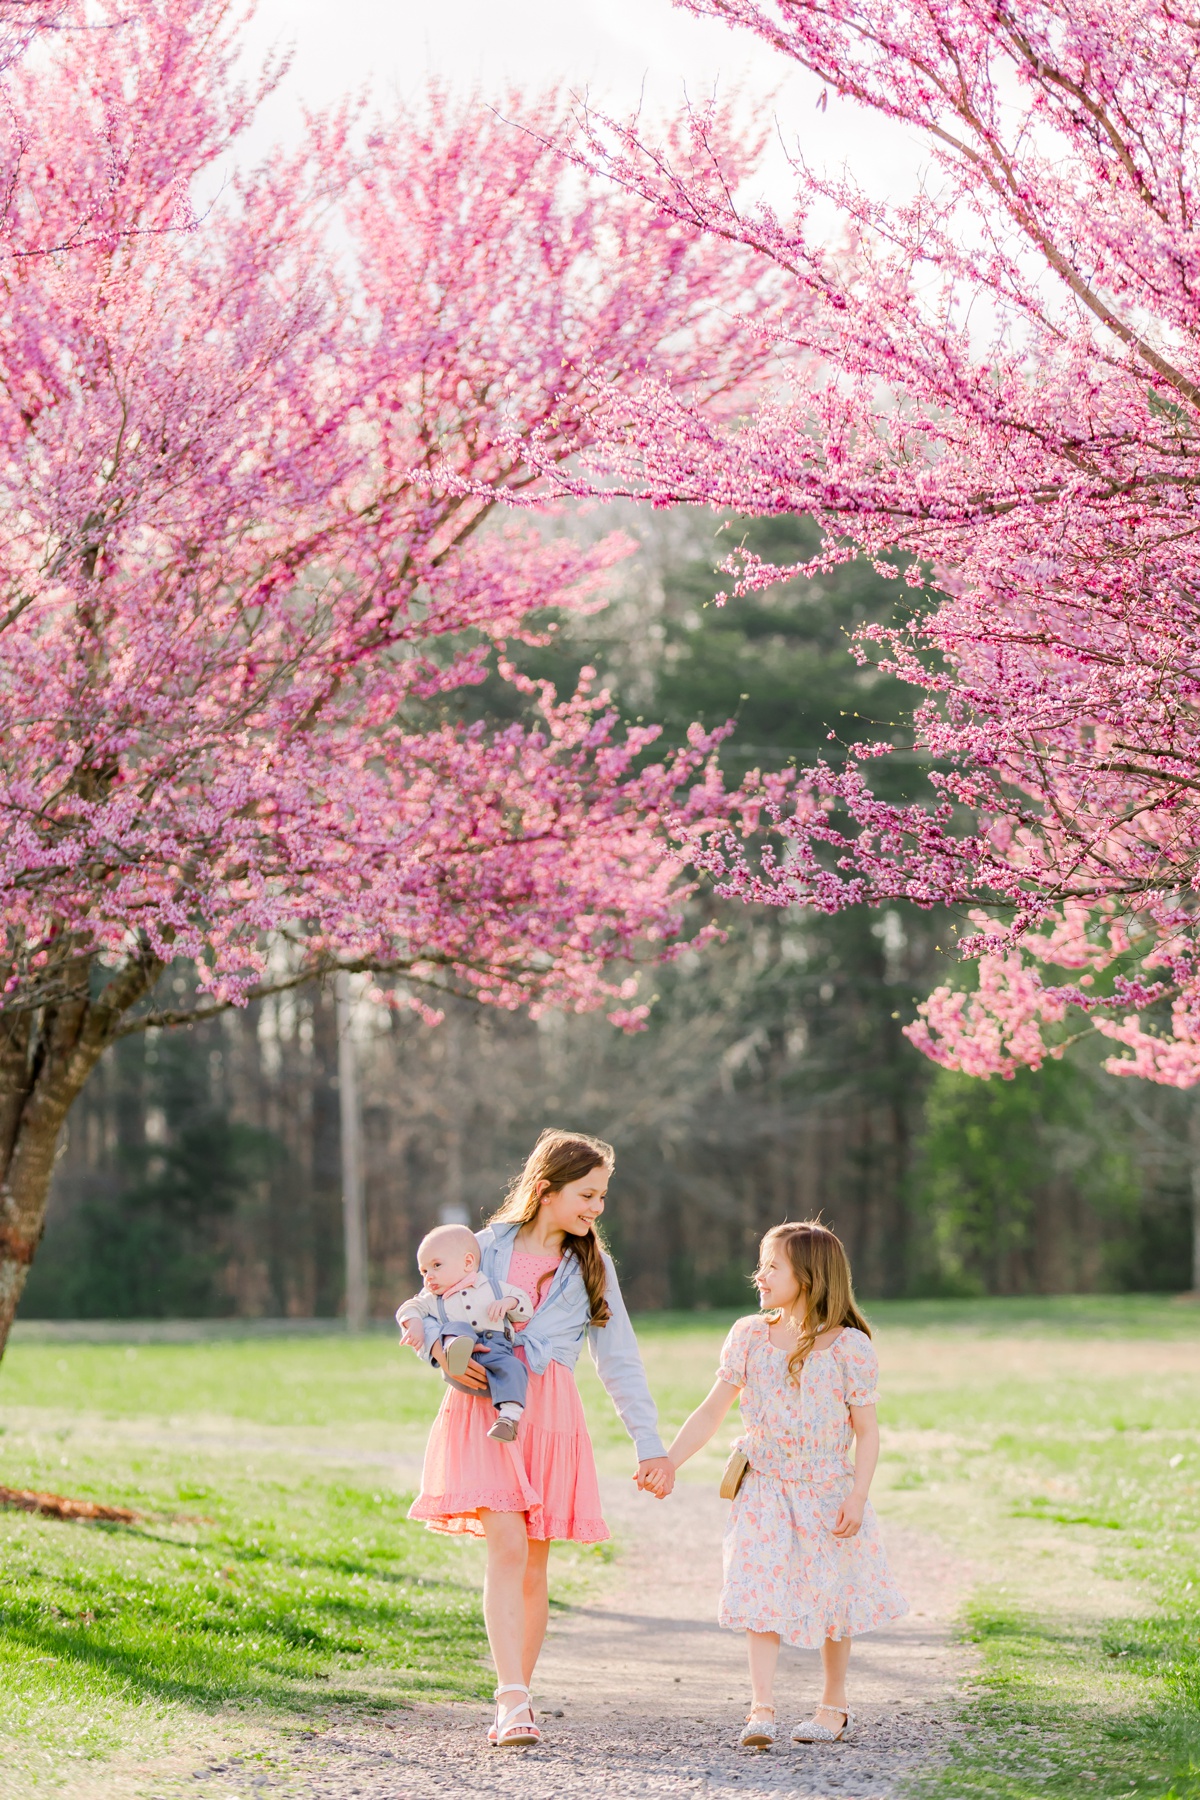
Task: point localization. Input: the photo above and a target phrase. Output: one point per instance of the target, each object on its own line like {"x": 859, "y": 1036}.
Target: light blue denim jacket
{"x": 559, "y": 1326}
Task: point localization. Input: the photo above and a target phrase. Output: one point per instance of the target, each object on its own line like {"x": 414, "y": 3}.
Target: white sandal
{"x": 813, "y": 1732}
{"x": 759, "y": 1734}
{"x": 506, "y": 1733}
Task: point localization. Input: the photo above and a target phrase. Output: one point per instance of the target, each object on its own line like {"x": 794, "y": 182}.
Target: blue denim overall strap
{"x": 506, "y": 1324}
{"x": 446, "y": 1322}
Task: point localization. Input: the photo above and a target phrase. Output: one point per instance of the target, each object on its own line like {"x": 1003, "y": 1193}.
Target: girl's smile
{"x": 575, "y": 1208}
{"x": 775, "y": 1280}
{"x": 790, "y": 1476}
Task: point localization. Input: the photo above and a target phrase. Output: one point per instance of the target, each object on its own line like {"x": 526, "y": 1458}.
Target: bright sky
{"x": 616, "y": 50}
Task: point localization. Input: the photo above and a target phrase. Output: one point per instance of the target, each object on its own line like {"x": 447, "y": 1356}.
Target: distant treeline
{"x": 201, "y": 1173}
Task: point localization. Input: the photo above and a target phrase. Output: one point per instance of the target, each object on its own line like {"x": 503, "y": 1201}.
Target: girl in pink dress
{"x": 803, "y": 1557}
{"x": 520, "y": 1495}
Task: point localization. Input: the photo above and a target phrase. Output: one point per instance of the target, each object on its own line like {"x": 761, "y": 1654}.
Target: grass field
{"x": 273, "y": 1574}
{"x": 1052, "y": 1446}
{"x": 1062, "y": 1460}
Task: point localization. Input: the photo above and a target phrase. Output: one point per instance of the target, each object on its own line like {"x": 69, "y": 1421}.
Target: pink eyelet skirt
{"x": 548, "y": 1472}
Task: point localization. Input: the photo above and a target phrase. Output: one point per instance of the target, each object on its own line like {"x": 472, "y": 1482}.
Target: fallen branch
{"x": 58, "y": 1506}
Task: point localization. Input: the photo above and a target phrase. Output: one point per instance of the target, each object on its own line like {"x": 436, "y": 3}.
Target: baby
{"x": 470, "y": 1310}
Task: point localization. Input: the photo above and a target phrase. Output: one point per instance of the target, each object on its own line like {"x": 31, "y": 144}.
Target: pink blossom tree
{"x": 240, "y": 584}
{"x": 994, "y": 387}
{"x": 21, "y": 22}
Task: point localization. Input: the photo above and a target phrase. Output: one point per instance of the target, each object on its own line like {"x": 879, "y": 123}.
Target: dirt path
{"x": 642, "y": 1695}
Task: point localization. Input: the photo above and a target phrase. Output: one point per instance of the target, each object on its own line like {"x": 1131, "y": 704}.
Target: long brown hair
{"x": 822, "y": 1268}
{"x": 560, "y": 1157}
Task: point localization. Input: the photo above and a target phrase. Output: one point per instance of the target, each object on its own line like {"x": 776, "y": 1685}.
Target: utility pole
{"x": 354, "y": 1205}
{"x": 453, "y": 1209}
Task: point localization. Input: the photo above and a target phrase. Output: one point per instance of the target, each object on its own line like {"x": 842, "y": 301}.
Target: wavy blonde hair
{"x": 558, "y": 1158}
{"x": 822, "y": 1269}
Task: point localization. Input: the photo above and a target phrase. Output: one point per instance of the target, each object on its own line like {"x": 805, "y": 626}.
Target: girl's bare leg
{"x": 762, "y": 1651}
{"x": 835, "y": 1655}
{"x": 504, "y": 1596}
{"x": 537, "y": 1604}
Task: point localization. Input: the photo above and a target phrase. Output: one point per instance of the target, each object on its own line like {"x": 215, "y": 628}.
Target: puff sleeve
{"x": 860, "y": 1368}
{"x": 734, "y": 1351}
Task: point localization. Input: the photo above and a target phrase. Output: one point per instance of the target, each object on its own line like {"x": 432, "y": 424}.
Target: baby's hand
{"x": 499, "y": 1309}
{"x": 412, "y": 1334}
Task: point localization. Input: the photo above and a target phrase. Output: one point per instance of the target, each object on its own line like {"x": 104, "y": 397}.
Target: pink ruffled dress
{"x": 548, "y": 1472}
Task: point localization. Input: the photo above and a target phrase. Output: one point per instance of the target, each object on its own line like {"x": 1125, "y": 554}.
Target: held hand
{"x": 848, "y": 1523}
{"x": 474, "y": 1376}
{"x": 656, "y": 1475}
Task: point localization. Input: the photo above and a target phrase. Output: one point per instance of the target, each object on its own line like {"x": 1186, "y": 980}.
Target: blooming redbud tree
{"x": 995, "y": 387}
{"x": 240, "y": 581}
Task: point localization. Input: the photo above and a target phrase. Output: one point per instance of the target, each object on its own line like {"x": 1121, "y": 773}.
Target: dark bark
{"x": 45, "y": 1058}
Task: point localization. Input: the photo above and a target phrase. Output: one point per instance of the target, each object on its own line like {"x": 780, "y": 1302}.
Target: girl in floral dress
{"x": 803, "y": 1558}
{"x": 519, "y": 1495}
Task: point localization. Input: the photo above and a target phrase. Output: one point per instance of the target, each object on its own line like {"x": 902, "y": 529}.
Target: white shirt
{"x": 469, "y": 1306}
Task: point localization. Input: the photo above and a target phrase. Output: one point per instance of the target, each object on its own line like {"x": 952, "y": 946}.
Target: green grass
{"x": 1089, "y": 1670}
{"x": 277, "y": 1585}
{"x": 1069, "y": 1315}
{"x": 273, "y": 1574}
{"x": 1066, "y": 1465}
{"x": 274, "y": 1582}
{"x": 1061, "y": 1709}
{"x": 277, "y": 1380}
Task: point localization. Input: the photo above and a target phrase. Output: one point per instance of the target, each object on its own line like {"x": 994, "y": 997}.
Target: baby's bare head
{"x": 447, "y": 1254}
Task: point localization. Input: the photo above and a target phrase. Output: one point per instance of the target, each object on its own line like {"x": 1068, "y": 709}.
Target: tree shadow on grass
{"x": 268, "y": 1627}
{"x": 376, "y": 1565}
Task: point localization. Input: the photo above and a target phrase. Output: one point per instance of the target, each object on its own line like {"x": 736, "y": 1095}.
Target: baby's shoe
{"x": 504, "y": 1430}
{"x": 459, "y": 1351}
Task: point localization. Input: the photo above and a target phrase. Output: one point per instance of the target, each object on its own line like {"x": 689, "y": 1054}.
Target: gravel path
{"x": 641, "y": 1695}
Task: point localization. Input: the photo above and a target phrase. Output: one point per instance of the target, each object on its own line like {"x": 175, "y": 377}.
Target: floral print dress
{"x": 784, "y": 1569}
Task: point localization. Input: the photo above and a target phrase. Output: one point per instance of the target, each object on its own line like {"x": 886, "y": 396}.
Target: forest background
{"x": 201, "y": 1172}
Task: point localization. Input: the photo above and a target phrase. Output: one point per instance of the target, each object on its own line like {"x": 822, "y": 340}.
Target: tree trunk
{"x": 896, "y": 1275}
{"x": 45, "y": 1058}
{"x": 453, "y": 1209}
{"x": 327, "y": 1242}
{"x": 354, "y": 1204}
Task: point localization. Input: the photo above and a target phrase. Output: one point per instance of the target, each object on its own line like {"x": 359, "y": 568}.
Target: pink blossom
{"x": 996, "y": 381}
{"x": 247, "y": 456}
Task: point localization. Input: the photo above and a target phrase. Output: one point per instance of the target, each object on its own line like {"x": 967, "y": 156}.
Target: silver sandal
{"x": 813, "y": 1732}
{"x": 759, "y": 1734}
